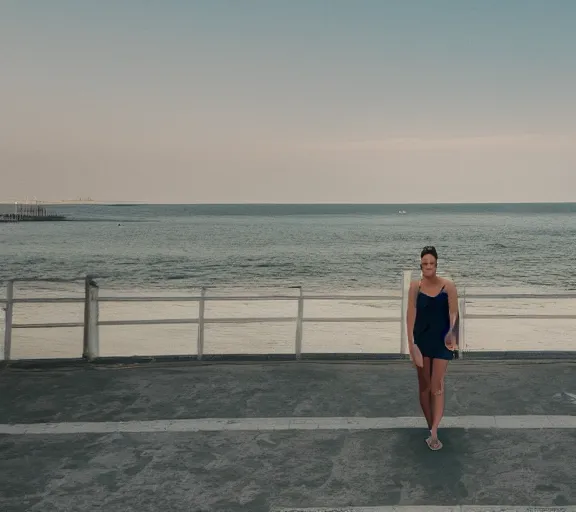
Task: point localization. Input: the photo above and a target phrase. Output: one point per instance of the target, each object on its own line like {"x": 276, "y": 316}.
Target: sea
{"x": 262, "y": 249}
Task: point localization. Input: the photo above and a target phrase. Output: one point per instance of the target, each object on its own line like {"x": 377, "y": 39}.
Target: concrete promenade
{"x": 280, "y": 436}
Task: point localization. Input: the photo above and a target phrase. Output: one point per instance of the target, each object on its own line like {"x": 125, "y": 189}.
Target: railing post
{"x": 462, "y": 316}
{"x": 299, "y": 321}
{"x": 8, "y": 314}
{"x": 91, "y": 348}
{"x": 406, "y": 278}
{"x": 201, "y": 308}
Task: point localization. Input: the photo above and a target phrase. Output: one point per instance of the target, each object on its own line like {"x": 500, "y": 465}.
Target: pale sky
{"x": 239, "y": 101}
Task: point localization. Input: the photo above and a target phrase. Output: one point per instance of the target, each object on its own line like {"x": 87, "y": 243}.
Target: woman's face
{"x": 428, "y": 265}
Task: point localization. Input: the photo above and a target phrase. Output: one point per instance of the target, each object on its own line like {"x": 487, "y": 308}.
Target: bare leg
{"x": 424, "y": 375}
{"x": 439, "y": 367}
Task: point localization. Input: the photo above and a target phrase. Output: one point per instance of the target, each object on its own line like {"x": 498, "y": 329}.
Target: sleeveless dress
{"x": 432, "y": 324}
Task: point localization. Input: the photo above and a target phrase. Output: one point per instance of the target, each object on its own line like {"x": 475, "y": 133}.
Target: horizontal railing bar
{"x": 41, "y": 326}
{"x": 352, "y": 297}
{"x": 196, "y": 299}
{"x": 223, "y": 320}
{"x": 248, "y": 298}
{"x": 173, "y": 321}
{"x": 309, "y": 297}
{"x": 520, "y": 296}
{"x": 163, "y": 321}
{"x": 74, "y": 300}
{"x": 247, "y": 320}
{"x": 367, "y": 319}
{"x": 49, "y": 300}
{"x": 253, "y": 320}
{"x": 148, "y": 299}
{"x": 470, "y": 316}
{"x": 206, "y": 320}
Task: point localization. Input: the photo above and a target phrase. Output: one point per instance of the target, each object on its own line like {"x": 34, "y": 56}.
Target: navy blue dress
{"x": 432, "y": 324}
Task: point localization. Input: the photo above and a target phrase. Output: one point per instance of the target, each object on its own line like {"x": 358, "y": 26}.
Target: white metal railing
{"x": 92, "y": 322}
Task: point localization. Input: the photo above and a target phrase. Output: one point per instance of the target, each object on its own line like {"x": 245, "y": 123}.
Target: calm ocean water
{"x": 149, "y": 250}
{"x": 317, "y": 246}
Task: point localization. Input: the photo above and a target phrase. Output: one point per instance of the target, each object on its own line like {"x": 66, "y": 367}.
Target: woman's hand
{"x": 412, "y": 354}
{"x": 450, "y": 340}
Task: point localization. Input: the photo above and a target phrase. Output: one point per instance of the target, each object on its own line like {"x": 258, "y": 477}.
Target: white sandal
{"x": 434, "y": 444}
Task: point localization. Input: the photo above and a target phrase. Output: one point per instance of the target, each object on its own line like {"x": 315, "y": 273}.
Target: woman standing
{"x": 431, "y": 321}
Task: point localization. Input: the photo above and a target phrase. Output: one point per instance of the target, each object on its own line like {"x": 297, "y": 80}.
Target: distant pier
{"x": 30, "y": 213}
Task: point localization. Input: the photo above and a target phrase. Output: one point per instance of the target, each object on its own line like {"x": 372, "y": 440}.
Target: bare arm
{"x": 411, "y": 312}
{"x": 452, "y": 304}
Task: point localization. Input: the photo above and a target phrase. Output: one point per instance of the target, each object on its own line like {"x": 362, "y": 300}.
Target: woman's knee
{"x": 437, "y": 386}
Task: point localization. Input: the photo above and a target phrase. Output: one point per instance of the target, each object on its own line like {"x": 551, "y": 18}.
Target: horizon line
{"x": 254, "y": 203}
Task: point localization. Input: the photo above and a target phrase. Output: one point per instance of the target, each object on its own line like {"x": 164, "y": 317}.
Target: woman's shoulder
{"x": 448, "y": 283}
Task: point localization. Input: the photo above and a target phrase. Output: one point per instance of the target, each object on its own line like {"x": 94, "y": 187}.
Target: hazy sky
{"x": 288, "y": 101}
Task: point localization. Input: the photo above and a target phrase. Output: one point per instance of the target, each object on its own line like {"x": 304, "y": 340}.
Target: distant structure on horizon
{"x": 29, "y": 212}
{"x": 79, "y": 200}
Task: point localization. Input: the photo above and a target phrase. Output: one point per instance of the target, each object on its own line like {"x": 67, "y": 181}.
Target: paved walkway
{"x": 285, "y": 436}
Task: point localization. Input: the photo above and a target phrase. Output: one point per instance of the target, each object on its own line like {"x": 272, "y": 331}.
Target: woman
{"x": 431, "y": 321}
